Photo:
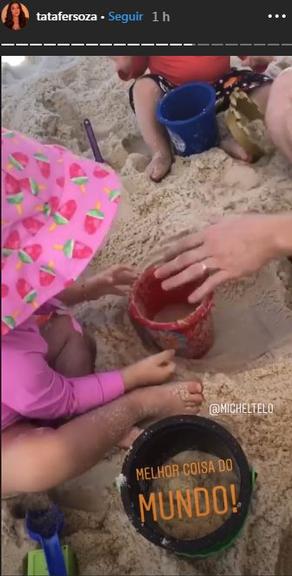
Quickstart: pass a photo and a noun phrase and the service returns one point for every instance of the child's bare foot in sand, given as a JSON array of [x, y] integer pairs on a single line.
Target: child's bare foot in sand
[[159, 166], [159, 402], [152, 370], [231, 147], [146, 94]]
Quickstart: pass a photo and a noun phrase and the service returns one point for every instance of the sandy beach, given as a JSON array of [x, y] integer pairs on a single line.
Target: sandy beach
[[48, 98]]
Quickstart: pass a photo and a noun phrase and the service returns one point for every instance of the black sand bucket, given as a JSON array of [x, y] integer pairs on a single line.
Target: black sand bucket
[[224, 504]]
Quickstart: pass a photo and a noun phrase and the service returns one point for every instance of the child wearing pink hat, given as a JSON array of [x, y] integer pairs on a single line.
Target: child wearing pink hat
[[59, 417]]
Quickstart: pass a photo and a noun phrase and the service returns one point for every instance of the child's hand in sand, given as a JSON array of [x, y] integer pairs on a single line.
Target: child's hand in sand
[[114, 280], [155, 369], [227, 250]]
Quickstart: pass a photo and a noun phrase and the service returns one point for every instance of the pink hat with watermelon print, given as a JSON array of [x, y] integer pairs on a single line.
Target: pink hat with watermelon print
[[56, 211]]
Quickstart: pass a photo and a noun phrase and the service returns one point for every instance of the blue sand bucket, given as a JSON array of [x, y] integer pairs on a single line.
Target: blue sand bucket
[[189, 115]]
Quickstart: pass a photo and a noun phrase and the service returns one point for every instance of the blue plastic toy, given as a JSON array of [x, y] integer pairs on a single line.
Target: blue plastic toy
[[44, 526], [189, 115]]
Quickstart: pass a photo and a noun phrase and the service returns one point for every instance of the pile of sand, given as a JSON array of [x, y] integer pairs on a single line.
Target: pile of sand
[[251, 360]]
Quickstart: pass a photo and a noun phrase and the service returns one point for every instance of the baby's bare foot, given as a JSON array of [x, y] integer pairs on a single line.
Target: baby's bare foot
[[159, 402], [234, 149], [155, 369], [159, 166]]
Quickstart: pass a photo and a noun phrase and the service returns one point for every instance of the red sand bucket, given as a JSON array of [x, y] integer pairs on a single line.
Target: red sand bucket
[[190, 337]]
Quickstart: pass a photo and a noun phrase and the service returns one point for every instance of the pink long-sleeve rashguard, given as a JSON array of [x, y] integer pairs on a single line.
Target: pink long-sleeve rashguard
[[57, 209], [33, 390]]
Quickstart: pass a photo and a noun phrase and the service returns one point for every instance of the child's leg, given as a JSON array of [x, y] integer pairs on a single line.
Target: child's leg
[[69, 352], [37, 459], [77, 358], [146, 94]]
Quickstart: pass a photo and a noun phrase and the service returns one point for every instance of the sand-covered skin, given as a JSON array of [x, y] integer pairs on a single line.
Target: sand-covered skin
[[253, 319]]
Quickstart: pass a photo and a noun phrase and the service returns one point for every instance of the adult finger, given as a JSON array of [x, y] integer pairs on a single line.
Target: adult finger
[[187, 243], [208, 286], [190, 274], [157, 255], [180, 262]]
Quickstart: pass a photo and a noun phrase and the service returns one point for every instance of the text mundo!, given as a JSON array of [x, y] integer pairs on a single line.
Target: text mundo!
[[186, 503], [123, 18], [197, 502]]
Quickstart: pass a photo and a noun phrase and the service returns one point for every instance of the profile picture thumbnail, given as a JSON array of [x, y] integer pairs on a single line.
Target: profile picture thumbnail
[[15, 16]]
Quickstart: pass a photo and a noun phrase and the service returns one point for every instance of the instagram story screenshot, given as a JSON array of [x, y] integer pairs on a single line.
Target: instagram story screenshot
[[146, 289]]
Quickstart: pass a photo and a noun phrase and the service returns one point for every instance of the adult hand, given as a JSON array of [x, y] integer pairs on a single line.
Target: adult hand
[[229, 249]]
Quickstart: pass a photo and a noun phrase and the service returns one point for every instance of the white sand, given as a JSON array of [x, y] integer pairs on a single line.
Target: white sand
[[252, 357]]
